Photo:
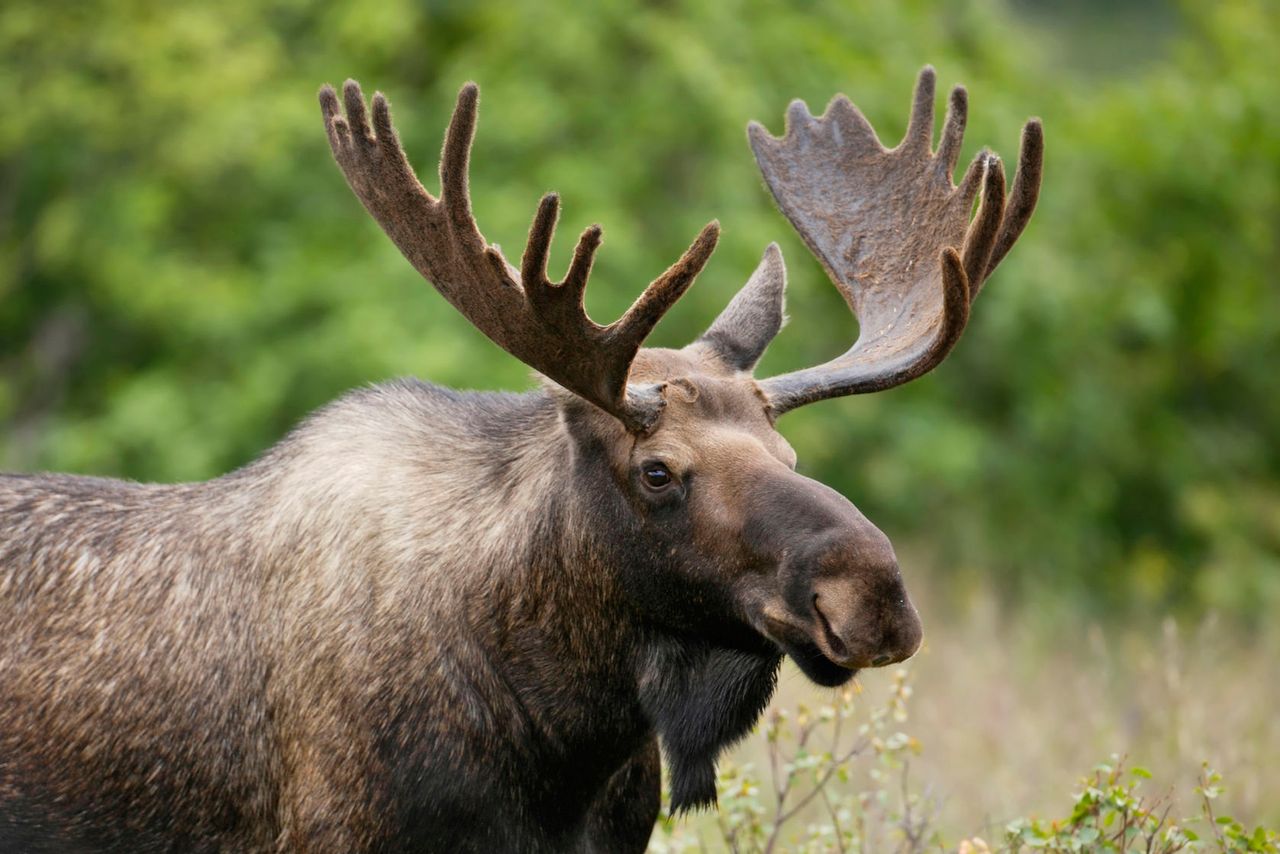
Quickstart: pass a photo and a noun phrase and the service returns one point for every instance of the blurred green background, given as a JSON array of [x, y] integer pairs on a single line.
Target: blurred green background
[[184, 273]]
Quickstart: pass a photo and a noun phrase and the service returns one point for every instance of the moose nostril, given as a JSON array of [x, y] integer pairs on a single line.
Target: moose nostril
[[881, 660], [834, 640]]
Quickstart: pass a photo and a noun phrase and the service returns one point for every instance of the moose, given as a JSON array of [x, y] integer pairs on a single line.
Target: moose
[[448, 621]]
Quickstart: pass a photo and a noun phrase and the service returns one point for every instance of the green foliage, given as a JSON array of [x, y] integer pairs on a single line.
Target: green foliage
[[183, 274], [1111, 815]]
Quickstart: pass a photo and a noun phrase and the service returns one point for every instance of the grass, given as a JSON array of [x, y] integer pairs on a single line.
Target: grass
[[1007, 720]]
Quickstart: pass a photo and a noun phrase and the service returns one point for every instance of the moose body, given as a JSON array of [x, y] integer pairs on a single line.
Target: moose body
[[304, 643], [434, 620]]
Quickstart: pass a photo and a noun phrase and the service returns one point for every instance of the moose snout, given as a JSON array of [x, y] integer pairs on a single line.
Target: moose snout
[[843, 604], [864, 617]]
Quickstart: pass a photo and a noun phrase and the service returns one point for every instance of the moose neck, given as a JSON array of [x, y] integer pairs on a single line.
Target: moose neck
[[701, 683], [590, 630], [556, 623]]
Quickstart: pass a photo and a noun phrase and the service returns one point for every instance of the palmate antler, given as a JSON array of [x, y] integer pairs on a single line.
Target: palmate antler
[[890, 227], [540, 322], [893, 233]]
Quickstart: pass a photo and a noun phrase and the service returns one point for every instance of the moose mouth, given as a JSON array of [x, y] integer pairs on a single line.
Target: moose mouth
[[814, 664], [807, 654]]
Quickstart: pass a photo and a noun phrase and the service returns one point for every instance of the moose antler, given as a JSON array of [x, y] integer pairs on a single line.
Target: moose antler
[[540, 322], [885, 224]]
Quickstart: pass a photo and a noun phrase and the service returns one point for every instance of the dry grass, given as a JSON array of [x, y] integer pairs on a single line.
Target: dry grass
[[1011, 713], [1011, 716]]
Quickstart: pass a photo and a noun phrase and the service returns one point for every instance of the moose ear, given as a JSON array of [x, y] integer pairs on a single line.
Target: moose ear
[[747, 325]]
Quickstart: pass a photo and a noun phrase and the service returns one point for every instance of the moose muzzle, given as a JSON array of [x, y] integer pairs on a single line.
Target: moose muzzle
[[857, 605], [843, 602]]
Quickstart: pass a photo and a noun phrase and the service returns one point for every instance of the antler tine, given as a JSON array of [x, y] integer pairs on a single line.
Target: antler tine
[[957, 298], [919, 135], [663, 292], [542, 323], [584, 255], [455, 164], [533, 263], [886, 226], [953, 131], [981, 237], [556, 303], [357, 118], [382, 129], [1025, 194], [624, 336]]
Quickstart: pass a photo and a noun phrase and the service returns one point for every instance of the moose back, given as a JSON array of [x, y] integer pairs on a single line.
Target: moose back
[[447, 621]]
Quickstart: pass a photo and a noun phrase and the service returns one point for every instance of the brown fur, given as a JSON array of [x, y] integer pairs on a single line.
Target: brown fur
[[408, 582], [229, 646]]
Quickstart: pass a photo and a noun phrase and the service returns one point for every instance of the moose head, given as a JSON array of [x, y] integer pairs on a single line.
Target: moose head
[[736, 544]]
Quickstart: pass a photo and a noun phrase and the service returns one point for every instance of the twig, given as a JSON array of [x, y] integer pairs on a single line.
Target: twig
[[802, 739], [857, 748], [835, 822], [1208, 811]]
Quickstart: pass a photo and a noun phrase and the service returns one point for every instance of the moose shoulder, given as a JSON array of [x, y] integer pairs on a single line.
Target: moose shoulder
[[434, 620]]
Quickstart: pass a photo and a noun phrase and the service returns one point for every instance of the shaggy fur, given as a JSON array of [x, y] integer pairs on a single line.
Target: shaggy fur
[[299, 655], [425, 620]]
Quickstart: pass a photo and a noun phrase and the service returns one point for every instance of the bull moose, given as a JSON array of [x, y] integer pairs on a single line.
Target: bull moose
[[448, 621]]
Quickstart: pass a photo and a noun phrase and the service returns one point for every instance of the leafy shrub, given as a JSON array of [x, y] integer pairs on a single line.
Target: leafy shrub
[[1111, 815]]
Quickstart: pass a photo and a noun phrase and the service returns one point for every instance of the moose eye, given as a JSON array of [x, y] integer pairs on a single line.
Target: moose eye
[[656, 476]]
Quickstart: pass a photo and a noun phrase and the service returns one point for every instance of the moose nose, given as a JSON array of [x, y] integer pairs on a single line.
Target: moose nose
[[865, 621]]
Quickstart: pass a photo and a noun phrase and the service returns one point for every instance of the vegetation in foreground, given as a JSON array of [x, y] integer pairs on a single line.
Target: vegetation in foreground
[[838, 778], [1006, 712]]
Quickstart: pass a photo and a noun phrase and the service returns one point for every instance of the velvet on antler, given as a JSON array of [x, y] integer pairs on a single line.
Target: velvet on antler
[[540, 322], [893, 232]]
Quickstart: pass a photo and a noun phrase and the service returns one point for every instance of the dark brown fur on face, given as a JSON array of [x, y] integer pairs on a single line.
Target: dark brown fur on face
[[432, 620]]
